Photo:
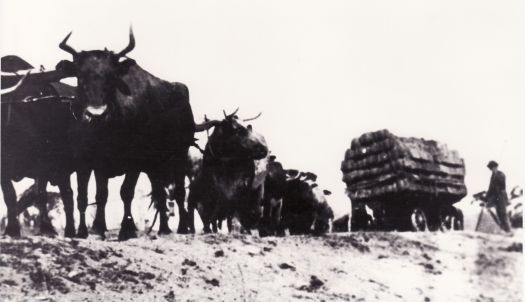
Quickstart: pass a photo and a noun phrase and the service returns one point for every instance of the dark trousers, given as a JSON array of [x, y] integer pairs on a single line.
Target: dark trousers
[[501, 210]]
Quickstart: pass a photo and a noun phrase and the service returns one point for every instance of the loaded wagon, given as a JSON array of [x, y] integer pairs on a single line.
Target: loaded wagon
[[399, 183]]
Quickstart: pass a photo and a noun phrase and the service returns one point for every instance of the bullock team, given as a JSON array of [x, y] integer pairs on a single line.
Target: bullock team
[[122, 120]]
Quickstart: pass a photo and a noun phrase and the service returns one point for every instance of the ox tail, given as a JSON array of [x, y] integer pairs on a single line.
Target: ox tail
[[153, 223], [154, 217]]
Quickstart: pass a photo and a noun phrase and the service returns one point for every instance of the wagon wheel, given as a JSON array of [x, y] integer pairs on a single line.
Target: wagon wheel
[[446, 219], [451, 220], [457, 222], [447, 222], [418, 220]]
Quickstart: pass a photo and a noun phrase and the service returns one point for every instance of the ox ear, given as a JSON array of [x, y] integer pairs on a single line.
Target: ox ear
[[249, 127], [292, 172], [125, 65], [68, 68]]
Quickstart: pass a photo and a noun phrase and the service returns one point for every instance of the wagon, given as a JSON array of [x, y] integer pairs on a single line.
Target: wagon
[[399, 183]]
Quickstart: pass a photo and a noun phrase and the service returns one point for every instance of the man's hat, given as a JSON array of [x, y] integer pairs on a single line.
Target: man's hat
[[492, 164]]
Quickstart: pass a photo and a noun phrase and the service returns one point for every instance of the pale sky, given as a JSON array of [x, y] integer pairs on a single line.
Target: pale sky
[[322, 72]]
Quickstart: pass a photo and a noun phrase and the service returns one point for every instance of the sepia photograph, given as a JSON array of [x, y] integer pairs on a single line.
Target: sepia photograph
[[262, 150]]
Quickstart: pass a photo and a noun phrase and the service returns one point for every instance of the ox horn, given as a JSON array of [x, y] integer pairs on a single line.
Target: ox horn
[[16, 86], [253, 118], [206, 125], [231, 114], [131, 44], [63, 45]]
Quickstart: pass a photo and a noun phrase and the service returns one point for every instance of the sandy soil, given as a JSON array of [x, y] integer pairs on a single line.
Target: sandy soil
[[347, 267]]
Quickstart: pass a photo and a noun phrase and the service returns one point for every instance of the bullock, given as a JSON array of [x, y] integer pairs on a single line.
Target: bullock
[[226, 185], [274, 187], [35, 144], [129, 122], [303, 208]]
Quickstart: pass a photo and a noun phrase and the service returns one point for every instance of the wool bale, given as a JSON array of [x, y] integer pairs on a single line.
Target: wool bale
[[380, 163]]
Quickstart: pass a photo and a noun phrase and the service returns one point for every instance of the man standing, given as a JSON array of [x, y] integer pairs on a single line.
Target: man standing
[[497, 195]]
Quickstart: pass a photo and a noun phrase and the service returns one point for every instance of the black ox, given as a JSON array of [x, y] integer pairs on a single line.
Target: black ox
[[35, 143], [129, 122], [226, 185], [294, 202]]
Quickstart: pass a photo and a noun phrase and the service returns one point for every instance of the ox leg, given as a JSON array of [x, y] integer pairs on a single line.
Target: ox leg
[[13, 226], [214, 225], [191, 219], [193, 205], [276, 216], [180, 197], [159, 195], [265, 226], [229, 223], [128, 229], [46, 228], [206, 219], [216, 218], [245, 224], [99, 223], [281, 227], [82, 200], [206, 223], [67, 198]]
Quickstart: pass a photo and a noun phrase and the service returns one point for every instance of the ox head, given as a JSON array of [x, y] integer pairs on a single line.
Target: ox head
[[231, 140], [99, 74]]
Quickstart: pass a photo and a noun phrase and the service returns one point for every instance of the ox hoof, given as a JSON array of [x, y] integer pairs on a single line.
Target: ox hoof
[[69, 232], [98, 232], [47, 229], [124, 235], [128, 230], [182, 231], [99, 226], [164, 229], [82, 232], [13, 230], [264, 232]]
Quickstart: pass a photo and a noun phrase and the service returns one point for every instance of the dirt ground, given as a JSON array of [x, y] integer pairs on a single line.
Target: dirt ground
[[460, 266]]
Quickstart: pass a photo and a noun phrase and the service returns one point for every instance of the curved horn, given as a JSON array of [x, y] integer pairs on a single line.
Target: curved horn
[[131, 44], [235, 112], [12, 89], [63, 45], [253, 118], [206, 125]]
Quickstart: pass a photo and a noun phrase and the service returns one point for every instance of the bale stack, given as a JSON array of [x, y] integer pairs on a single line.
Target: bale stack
[[379, 164]]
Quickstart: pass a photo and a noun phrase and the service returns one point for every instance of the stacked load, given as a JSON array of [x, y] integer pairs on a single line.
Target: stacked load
[[380, 164]]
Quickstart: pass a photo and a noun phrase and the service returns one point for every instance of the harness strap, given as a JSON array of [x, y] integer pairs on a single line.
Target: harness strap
[[30, 99]]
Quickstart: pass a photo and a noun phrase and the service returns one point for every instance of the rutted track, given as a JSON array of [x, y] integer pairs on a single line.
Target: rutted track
[[349, 267]]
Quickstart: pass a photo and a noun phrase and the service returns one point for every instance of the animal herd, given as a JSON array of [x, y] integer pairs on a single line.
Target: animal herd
[[122, 120]]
